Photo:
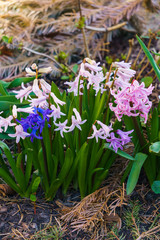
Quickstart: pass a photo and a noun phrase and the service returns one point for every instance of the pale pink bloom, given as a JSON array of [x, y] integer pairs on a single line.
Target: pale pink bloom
[[97, 81], [97, 133], [19, 133], [46, 87], [39, 102], [132, 101], [62, 127], [26, 110], [76, 121], [56, 100], [75, 85], [35, 87], [56, 112], [106, 129], [92, 65], [23, 93], [123, 75], [30, 72], [45, 70], [34, 66], [5, 122], [121, 64]]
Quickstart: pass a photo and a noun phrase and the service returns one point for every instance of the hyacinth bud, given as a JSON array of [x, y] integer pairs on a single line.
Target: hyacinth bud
[[34, 66]]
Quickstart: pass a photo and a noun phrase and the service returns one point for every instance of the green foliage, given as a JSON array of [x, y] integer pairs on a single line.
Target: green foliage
[[147, 81], [135, 171], [150, 58]]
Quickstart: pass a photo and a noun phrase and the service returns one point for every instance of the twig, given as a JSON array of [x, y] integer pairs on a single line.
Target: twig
[[83, 31], [49, 57]]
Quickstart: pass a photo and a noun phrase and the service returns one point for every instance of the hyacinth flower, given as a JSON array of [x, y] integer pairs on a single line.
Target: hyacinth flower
[[35, 122], [20, 133], [132, 101], [117, 143]]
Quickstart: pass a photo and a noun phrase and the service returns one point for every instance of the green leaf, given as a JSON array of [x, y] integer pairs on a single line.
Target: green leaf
[[64, 77], [35, 184], [33, 197], [155, 147], [9, 180], [120, 152], [150, 58], [18, 81], [75, 68], [3, 90], [156, 187], [82, 168], [147, 81], [135, 171], [154, 126]]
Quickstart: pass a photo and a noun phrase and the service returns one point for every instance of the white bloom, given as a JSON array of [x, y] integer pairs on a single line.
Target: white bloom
[[26, 110], [45, 70], [5, 122], [19, 133], [76, 122], [97, 133], [56, 100], [62, 127], [56, 112], [106, 129], [35, 87], [39, 102], [30, 72], [23, 93], [45, 86]]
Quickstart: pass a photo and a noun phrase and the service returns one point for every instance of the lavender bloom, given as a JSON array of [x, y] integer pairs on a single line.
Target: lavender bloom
[[124, 136], [119, 142], [35, 122], [114, 142]]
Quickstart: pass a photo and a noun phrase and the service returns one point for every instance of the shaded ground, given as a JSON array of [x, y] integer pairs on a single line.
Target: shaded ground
[[21, 219]]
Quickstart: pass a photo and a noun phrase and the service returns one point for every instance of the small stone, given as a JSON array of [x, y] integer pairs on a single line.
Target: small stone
[[3, 209]]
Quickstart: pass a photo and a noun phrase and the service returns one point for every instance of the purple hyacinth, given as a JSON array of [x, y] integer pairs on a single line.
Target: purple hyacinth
[[117, 143], [35, 122]]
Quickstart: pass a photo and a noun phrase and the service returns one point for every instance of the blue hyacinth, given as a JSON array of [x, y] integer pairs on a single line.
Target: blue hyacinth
[[35, 122]]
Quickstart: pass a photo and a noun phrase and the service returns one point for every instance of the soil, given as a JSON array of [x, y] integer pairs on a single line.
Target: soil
[[21, 219]]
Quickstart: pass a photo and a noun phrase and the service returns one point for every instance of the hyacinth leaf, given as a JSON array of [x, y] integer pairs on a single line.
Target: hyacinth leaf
[[82, 167], [155, 147], [99, 180], [3, 90], [156, 187], [150, 58], [135, 171], [62, 175], [18, 81], [9, 180], [154, 126], [29, 164], [5, 84], [20, 176], [10, 159], [55, 90], [147, 81], [42, 170], [120, 152], [35, 184]]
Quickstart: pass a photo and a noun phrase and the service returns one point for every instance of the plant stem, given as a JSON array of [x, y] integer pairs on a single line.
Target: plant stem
[[45, 159], [83, 31], [140, 135], [109, 95]]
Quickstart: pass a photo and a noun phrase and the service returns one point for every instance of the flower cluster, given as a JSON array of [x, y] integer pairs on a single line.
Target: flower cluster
[[92, 73], [104, 132], [132, 101], [35, 122]]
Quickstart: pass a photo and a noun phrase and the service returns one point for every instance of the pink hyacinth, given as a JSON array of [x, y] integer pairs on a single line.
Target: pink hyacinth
[[132, 101]]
